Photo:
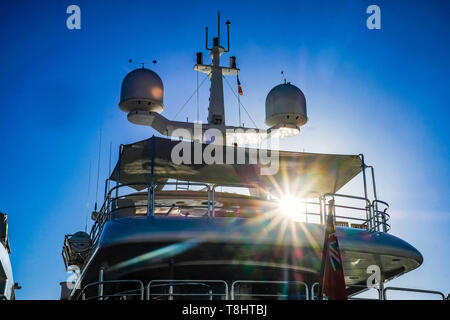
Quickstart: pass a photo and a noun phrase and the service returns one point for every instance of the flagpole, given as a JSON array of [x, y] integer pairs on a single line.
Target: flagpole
[[239, 98], [325, 248]]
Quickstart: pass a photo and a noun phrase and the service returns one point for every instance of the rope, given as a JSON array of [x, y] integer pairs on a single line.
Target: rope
[[98, 167], [198, 111], [195, 91], [229, 85], [239, 109], [87, 198]]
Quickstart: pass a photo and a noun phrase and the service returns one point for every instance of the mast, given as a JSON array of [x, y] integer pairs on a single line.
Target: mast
[[286, 111], [216, 109]]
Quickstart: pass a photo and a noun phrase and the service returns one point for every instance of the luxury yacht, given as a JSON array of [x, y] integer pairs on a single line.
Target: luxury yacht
[[197, 213], [6, 276]]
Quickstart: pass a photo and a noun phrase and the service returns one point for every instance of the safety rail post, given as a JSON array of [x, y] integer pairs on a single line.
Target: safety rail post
[[315, 284], [150, 201], [106, 188], [374, 187], [381, 287], [118, 173], [209, 201], [171, 292], [151, 186], [100, 286], [368, 210], [321, 210], [213, 212]]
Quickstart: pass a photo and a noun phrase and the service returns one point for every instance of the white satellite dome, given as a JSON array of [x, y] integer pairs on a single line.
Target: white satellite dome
[[142, 89], [285, 106]]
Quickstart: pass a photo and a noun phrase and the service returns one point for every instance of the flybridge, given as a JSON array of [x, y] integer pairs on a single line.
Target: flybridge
[[320, 173]]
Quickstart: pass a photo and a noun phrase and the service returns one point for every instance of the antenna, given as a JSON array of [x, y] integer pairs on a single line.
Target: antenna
[[88, 194], [216, 41], [110, 153], [206, 46], [218, 28], [107, 182], [284, 78], [98, 168], [198, 101], [228, 35], [141, 63]]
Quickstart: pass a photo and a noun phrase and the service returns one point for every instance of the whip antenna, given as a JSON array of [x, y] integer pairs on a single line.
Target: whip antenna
[[87, 198], [98, 168]]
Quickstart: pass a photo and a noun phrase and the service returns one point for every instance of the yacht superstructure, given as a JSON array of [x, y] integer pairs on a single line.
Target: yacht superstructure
[[6, 275], [198, 214]]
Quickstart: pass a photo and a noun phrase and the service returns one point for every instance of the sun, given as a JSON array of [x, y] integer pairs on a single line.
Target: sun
[[292, 207]]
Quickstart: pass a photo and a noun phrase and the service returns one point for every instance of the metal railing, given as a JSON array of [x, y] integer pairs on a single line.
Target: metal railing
[[315, 291], [371, 216], [196, 289], [374, 220], [284, 284], [173, 285], [219, 289], [381, 216], [432, 292], [380, 293], [139, 292], [365, 290]]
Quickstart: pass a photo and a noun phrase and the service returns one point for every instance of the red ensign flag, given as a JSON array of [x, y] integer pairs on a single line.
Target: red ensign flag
[[239, 86], [332, 282]]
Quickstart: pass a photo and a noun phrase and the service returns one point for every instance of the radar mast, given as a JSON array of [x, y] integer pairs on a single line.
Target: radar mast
[[215, 72]]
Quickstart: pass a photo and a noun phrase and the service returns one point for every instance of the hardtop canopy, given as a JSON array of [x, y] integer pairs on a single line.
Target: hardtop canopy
[[313, 174]]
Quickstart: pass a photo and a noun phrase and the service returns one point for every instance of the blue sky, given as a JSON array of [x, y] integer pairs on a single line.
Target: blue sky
[[383, 93]]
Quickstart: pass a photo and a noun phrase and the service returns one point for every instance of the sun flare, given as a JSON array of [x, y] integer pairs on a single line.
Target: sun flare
[[292, 207]]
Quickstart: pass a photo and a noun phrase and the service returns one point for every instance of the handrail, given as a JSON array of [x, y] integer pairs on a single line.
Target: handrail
[[175, 282], [106, 209], [346, 196], [144, 292], [141, 285], [375, 220], [413, 290], [384, 215], [364, 288], [315, 284], [213, 189], [233, 294], [373, 215], [188, 183]]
